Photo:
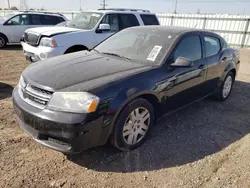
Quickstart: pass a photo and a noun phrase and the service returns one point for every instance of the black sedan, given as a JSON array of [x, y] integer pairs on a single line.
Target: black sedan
[[116, 91]]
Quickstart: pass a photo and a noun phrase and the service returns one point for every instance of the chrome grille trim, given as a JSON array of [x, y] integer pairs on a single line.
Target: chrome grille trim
[[32, 38], [35, 93], [34, 96]]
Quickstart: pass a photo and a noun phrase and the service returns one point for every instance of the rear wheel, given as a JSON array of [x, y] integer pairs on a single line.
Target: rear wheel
[[226, 87], [133, 125], [3, 41]]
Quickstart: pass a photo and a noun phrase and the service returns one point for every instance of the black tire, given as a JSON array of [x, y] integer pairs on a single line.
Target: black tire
[[219, 94], [3, 41], [117, 138]]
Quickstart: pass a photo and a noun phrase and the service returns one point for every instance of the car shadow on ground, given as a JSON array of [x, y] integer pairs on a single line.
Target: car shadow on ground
[[184, 137], [5, 90], [12, 47]]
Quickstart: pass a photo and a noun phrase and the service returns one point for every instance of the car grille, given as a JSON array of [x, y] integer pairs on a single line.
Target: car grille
[[35, 96], [31, 38]]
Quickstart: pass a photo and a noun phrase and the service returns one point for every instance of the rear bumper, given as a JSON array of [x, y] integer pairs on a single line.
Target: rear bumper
[[64, 132], [37, 53]]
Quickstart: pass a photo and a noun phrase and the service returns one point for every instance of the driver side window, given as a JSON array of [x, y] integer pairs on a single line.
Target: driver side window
[[19, 20], [113, 21], [189, 47]]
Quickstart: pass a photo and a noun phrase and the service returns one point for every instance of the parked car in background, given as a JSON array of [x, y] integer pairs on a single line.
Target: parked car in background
[[115, 92], [83, 32], [12, 26]]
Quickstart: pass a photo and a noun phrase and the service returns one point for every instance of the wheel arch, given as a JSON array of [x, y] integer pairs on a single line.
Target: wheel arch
[[4, 36], [77, 47], [148, 95], [231, 67]]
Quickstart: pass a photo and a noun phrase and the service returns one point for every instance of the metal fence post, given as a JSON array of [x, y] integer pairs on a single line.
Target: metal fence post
[[204, 23], [245, 34], [172, 21]]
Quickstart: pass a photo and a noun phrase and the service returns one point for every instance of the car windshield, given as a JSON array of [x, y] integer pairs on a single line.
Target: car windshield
[[4, 18], [146, 46], [85, 20]]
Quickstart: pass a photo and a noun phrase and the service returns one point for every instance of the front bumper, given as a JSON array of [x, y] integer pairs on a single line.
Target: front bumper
[[64, 132], [37, 53]]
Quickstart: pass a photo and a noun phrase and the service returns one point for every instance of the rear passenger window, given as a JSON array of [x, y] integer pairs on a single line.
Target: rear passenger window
[[212, 45], [149, 19], [128, 20], [190, 48], [36, 19], [52, 20]]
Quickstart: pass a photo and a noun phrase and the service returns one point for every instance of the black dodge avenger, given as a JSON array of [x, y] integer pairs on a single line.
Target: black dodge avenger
[[116, 91]]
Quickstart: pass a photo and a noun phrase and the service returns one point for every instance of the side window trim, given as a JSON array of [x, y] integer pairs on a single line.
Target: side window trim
[[211, 36]]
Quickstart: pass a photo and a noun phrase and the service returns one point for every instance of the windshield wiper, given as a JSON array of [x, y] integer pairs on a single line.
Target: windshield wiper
[[95, 50], [116, 55]]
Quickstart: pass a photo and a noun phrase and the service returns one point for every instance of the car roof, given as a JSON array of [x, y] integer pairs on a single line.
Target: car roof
[[121, 10], [42, 13], [168, 29]]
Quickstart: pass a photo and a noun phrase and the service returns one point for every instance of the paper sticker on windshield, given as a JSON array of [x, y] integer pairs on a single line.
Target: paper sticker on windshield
[[154, 53]]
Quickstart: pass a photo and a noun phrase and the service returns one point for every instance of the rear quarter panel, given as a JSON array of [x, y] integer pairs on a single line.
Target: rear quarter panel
[[232, 62]]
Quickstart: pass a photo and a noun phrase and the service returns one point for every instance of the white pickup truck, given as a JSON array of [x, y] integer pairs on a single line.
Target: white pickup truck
[[83, 32]]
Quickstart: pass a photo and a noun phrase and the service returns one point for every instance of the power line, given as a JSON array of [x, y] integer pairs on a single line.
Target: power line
[[103, 4], [23, 5], [8, 3]]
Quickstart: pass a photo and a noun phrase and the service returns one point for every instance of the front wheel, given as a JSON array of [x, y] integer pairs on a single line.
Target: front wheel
[[133, 124], [226, 87], [3, 41]]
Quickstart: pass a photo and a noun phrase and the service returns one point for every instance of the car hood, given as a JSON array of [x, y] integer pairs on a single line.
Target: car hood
[[80, 71], [49, 31]]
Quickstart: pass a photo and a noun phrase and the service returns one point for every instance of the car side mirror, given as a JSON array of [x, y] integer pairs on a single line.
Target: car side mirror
[[10, 23], [104, 27], [181, 62]]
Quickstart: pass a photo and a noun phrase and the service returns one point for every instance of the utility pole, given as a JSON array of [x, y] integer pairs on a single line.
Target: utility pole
[[80, 5], [175, 9], [8, 4], [103, 4]]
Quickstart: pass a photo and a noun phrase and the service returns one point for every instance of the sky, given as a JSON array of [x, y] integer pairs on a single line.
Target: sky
[[183, 6]]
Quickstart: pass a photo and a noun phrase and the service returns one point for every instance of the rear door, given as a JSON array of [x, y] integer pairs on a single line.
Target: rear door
[[215, 59], [186, 84]]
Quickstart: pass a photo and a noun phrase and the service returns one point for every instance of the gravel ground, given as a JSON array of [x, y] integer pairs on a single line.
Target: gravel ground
[[203, 145]]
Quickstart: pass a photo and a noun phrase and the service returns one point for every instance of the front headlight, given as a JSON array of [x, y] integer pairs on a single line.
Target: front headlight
[[76, 102], [48, 42], [22, 83]]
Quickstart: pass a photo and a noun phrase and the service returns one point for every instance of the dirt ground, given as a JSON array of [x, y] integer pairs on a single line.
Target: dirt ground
[[204, 145]]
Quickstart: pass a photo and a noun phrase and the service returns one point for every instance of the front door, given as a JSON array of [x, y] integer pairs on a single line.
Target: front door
[[16, 26], [113, 21], [185, 85]]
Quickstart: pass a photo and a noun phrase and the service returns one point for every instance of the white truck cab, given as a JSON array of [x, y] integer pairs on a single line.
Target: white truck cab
[[83, 32]]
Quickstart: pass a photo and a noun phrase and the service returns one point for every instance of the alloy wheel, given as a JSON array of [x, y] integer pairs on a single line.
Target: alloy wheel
[[227, 86], [136, 126]]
